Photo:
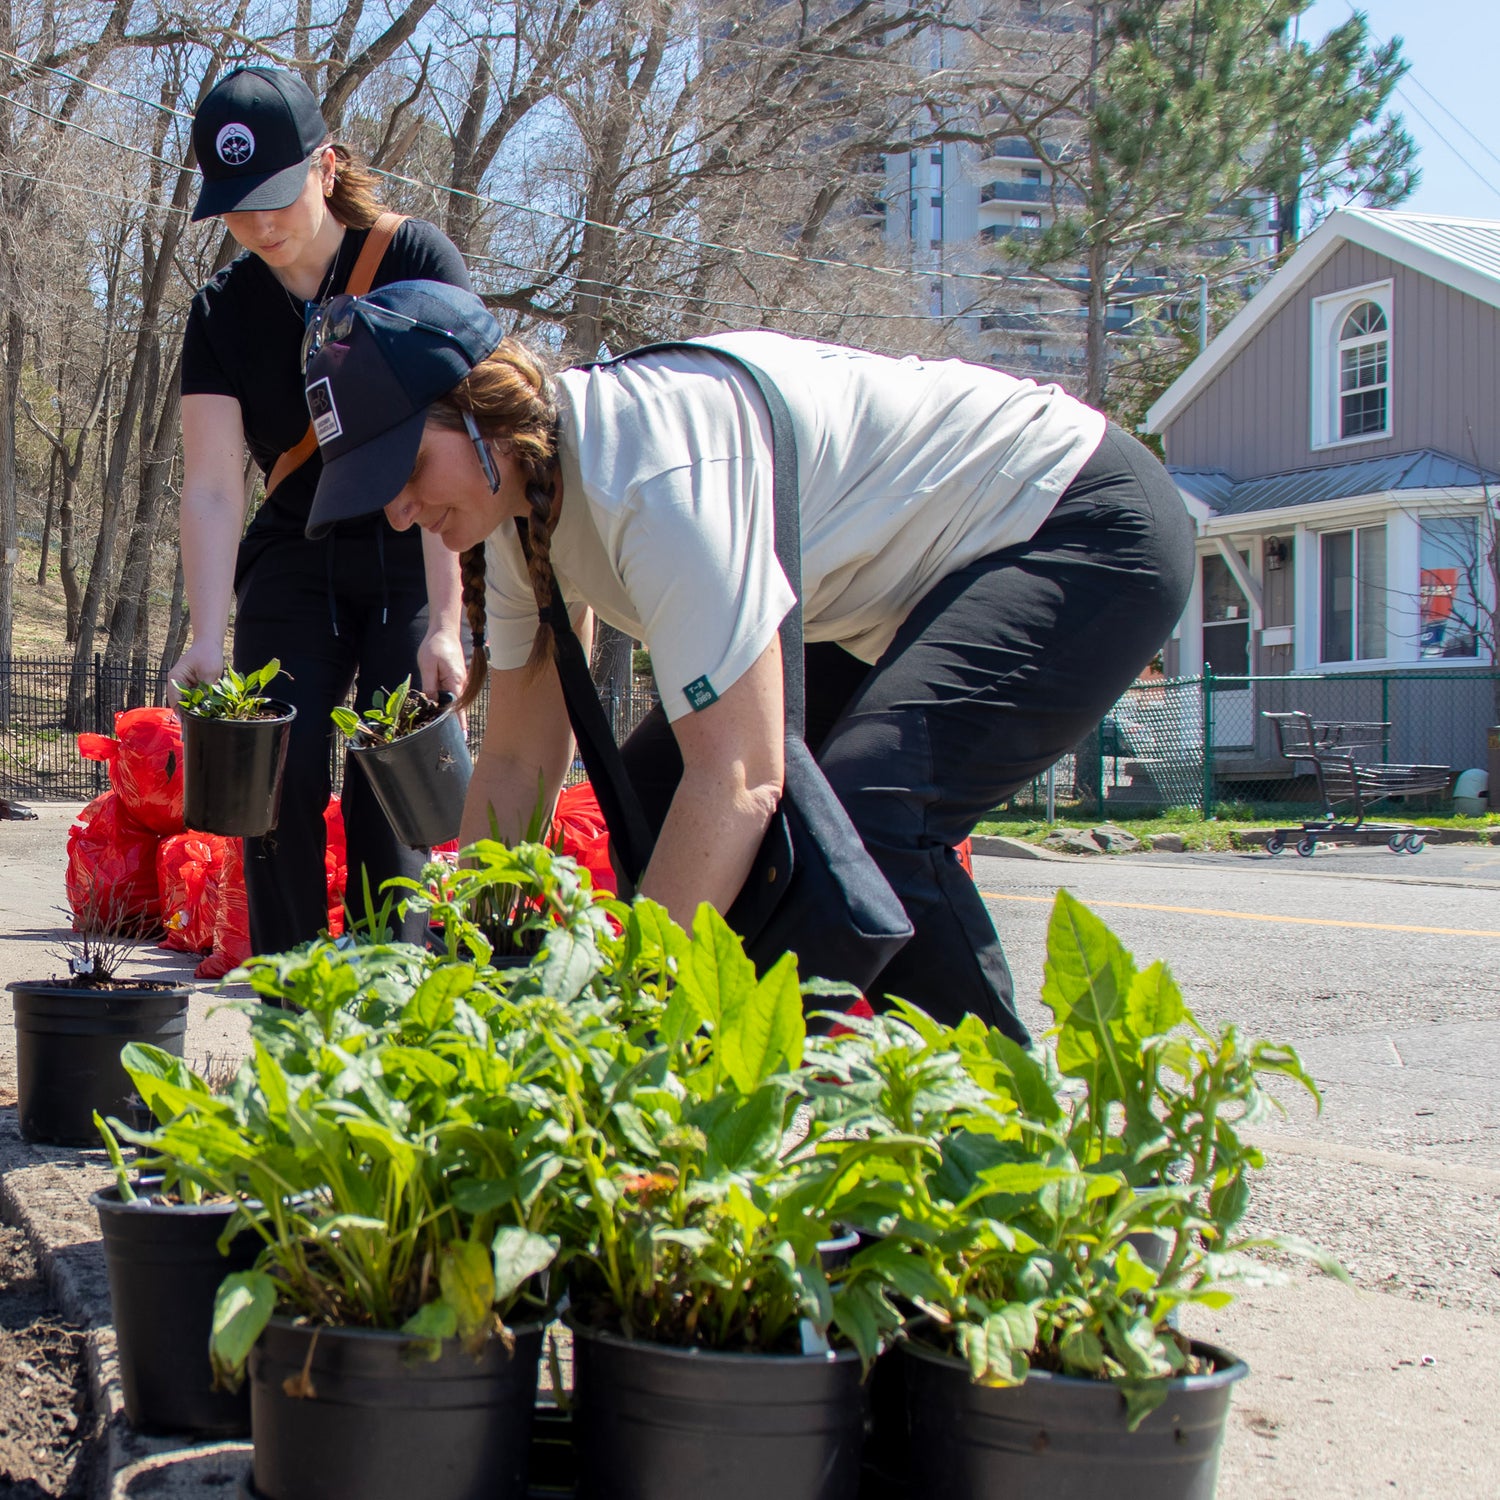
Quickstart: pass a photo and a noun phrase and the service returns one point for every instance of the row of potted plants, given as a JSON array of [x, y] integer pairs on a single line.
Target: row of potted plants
[[429, 1155]]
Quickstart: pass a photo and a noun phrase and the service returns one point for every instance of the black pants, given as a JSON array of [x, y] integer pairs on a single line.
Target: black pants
[[353, 603], [996, 673]]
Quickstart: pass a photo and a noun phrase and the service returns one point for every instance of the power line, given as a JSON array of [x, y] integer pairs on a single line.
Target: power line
[[1411, 105], [582, 221]]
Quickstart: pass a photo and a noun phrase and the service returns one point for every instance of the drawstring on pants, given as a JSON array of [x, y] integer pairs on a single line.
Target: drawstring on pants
[[385, 582], [333, 605], [385, 586]]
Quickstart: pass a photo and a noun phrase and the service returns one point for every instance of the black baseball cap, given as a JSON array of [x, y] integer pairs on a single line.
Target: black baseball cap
[[253, 135], [383, 359]]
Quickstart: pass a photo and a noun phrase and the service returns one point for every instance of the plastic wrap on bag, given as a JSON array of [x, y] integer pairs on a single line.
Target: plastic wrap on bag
[[335, 866], [145, 765], [189, 867], [111, 874], [579, 825], [232, 919]]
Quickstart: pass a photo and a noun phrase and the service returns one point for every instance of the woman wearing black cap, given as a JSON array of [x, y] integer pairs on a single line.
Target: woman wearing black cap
[[365, 602], [986, 564]]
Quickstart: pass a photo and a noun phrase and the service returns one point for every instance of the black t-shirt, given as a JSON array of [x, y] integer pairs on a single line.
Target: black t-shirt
[[244, 339]]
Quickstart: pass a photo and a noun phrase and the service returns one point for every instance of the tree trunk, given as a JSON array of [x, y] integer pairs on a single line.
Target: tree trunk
[[10, 541], [67, 563], [176, 637], [41, 567], [157, 448]]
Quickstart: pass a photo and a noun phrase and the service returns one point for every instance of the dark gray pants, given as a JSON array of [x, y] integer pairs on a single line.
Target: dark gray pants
[[997, 672]]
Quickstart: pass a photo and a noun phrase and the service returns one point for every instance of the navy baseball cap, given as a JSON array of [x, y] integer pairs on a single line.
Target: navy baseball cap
[[254, 135], [378, 362]]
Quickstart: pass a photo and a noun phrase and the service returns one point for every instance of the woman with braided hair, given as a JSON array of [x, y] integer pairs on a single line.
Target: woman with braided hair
[[986, 563]]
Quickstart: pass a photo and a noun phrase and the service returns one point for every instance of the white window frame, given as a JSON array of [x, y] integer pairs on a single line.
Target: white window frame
[[1355, 662], [1328, 314]]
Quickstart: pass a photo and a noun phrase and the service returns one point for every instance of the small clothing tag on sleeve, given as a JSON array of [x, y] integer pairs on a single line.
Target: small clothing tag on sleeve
[[700, 693]]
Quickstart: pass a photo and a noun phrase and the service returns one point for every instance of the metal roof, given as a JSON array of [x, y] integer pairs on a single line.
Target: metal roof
[[1467, 242], [1424, 469]]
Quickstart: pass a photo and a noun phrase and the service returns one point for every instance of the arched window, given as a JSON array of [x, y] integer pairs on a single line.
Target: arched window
[[1364, 372]]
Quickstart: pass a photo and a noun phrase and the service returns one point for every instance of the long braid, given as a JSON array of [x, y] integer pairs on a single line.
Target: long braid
[[471, 574], [511, 398], [541, 495]]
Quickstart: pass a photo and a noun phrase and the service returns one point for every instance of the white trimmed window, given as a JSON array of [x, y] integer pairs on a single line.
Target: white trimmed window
[[1351, 381], [1352, 594]]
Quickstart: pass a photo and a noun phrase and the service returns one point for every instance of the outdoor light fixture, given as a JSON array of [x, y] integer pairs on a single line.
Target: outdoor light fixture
[[1275, 553]]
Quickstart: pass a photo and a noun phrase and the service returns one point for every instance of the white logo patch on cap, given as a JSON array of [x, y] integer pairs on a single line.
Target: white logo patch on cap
[[325, 415], [235, 144]]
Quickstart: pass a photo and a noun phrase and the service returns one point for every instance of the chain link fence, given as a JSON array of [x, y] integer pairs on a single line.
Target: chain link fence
[[1204, 743], [39, 757]]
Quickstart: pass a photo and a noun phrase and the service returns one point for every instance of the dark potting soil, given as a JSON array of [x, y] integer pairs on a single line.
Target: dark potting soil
[[104, 986], [46, 1435]]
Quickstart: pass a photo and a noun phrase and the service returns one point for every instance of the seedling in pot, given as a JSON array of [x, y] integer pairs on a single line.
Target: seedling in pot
[[391, 716], [233, 696]]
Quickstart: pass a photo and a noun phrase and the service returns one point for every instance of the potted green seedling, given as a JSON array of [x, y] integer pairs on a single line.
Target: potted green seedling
[[414, 752], [234, 748], [715, 1352], [387, 1143], [70, 1028], [168, 1243], [1050, 1362]]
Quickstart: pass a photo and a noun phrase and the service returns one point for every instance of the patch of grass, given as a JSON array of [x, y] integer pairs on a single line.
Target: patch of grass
[[1217, 834]]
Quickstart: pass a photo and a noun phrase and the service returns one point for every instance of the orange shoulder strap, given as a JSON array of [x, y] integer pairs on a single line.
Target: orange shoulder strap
[[382, 232]]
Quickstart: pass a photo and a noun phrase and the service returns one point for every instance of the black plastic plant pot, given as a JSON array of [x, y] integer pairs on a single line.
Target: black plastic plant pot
[[1063, 1437], [421, 780], [164, 1270], [68, 1041], [656, 1422], [232, 770], [554, 1460], [377, 1420]]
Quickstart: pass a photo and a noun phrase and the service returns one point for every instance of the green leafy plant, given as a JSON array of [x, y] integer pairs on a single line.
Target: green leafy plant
[[700, 1202], [390, 716], [387, 1163], [233, 696], [1110, 1194]]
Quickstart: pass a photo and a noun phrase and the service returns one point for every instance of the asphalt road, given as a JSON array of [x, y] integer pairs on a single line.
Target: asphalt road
[[1384, 972]]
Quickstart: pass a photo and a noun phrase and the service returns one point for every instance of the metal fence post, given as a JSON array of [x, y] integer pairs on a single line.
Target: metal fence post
[[1208, 742], [1385, 714]]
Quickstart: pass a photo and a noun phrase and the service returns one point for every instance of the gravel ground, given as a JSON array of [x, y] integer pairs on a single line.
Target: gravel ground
[[45, 1433], [1420, 1237]]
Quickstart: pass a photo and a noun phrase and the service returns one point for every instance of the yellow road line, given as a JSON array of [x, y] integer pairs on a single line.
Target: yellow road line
[[1256, 916]]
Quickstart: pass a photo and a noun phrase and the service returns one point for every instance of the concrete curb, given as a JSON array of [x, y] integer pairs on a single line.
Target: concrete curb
[[998, 846]]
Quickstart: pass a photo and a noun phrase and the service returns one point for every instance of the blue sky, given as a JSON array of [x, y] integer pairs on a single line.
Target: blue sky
[[1453, 47]]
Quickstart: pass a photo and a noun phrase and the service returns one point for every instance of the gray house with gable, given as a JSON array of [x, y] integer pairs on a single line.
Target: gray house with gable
[[1338, 446]]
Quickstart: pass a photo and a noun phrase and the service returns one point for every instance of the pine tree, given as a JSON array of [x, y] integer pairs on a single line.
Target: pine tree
[[1173, 127]]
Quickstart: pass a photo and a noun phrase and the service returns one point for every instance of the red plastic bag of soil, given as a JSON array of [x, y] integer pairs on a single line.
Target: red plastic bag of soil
[[145, 765], [232, 919], [335, 866], [580, 825], [111, 876], [189, 868]]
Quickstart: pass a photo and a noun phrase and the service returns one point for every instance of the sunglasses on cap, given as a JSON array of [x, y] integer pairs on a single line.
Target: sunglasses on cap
[[333, 322]]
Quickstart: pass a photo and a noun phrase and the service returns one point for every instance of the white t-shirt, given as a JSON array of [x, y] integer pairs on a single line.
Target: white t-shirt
[[909, 470]]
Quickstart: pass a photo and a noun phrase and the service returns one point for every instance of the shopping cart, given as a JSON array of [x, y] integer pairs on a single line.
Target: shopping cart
[[1350, 779]]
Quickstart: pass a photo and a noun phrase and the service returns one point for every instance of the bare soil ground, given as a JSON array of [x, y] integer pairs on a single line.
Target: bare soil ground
[[45, 1427]]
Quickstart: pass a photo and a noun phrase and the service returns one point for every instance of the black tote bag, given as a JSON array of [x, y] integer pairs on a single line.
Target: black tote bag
[[813, 889]]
